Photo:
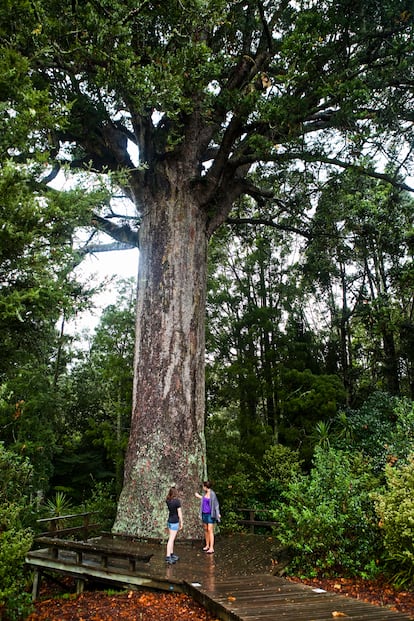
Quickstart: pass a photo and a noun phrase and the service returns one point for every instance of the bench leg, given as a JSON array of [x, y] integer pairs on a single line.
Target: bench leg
[[37, 578], [80, 585]]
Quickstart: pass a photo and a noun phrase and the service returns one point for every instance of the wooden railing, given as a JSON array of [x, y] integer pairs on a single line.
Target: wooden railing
[[56, 526], [252, 521]]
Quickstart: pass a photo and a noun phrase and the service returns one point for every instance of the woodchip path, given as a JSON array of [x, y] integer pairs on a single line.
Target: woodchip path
[[236, 583]]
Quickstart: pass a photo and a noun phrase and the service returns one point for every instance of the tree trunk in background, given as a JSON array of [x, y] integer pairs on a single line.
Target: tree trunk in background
[[167, 430]]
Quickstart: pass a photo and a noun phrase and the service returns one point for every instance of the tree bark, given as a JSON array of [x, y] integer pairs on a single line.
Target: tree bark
[[167, 443]]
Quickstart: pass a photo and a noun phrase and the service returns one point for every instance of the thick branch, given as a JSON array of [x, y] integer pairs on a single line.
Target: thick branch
[[123, 234], [323, 159], [95, 248]]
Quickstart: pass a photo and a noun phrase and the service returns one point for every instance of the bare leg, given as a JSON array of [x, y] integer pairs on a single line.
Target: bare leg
[[210, 537], [206, 536], [170, 542]]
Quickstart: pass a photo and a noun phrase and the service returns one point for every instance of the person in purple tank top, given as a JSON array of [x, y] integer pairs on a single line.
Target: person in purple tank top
[[210, 514]]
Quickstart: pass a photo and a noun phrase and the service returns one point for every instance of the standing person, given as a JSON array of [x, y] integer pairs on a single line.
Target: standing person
[[210, 515], [174, 523]]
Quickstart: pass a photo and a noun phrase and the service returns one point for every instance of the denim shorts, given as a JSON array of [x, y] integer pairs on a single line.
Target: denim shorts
[[173, 525], [207, 519]]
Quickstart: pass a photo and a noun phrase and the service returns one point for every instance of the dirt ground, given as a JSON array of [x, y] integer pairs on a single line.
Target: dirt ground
[[127, 605]]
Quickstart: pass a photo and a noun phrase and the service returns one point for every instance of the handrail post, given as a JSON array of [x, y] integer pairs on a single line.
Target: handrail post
[[252, 515], [86, 526]]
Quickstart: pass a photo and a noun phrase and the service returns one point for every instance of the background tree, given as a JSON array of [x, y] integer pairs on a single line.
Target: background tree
[[205, 91], [98, 396], [38, 292], [358, 258], [250, 288]]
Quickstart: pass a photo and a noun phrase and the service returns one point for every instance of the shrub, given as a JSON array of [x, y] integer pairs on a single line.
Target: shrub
[[328, 522], [15, 539], [382, 427], [280, 466], [234, 493], [395, 508], [15, 542]]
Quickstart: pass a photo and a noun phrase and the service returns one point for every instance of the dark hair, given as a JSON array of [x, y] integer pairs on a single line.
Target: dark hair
[[172, 493], [207, 484]]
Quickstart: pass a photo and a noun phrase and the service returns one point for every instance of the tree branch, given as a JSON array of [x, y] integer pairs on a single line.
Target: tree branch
[[124, 234], [94, 248], [271, 223]]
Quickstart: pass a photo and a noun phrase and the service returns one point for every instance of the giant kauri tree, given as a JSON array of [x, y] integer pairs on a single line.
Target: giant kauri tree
[[192, 104]]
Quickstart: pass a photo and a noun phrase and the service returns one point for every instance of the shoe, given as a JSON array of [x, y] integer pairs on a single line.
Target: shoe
[[205, 549], [175, 557], [209, 551], [170, 560]]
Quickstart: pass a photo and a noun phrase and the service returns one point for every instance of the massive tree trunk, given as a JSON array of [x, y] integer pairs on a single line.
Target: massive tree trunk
[[167, 430]]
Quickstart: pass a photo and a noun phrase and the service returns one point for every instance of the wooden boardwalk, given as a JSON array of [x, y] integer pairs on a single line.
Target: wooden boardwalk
[[235, 583]]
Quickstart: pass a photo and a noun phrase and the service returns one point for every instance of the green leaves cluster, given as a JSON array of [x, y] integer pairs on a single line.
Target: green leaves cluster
[[16, 537], [395, 508], [327, 519]]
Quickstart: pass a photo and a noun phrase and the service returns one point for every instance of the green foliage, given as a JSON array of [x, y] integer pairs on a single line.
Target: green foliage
[[382, 429], [59, 505], [97, 403], [279, 467], [327, 520], [29, 418], [15, 542], [37, 289], [395, 508], [401, 442], [15, 538], [15, 476], [223, 444], [307, 398], [359, 248], [103, 502]]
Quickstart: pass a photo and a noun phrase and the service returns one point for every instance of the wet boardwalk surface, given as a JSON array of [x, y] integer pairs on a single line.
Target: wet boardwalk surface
[[236, 583]]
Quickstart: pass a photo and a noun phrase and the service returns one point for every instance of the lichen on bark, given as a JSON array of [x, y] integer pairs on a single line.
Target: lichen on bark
[[167, 430]]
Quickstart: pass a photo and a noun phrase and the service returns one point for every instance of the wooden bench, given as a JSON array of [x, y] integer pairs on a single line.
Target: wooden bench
[[252, 522], [102, 551], [77, 561]]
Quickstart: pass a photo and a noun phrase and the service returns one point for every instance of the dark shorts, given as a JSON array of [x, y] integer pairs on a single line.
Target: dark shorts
[[207, 519]]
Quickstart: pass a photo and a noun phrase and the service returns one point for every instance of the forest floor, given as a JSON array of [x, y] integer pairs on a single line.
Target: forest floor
[[56, 604]]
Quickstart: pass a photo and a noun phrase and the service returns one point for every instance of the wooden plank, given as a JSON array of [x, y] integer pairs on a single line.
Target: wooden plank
[[62, 532], [257, 523], [92, 547], [59, 518], [264, 598]]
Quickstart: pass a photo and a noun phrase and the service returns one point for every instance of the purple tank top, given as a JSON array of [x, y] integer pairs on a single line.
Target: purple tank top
[[205, 505]]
